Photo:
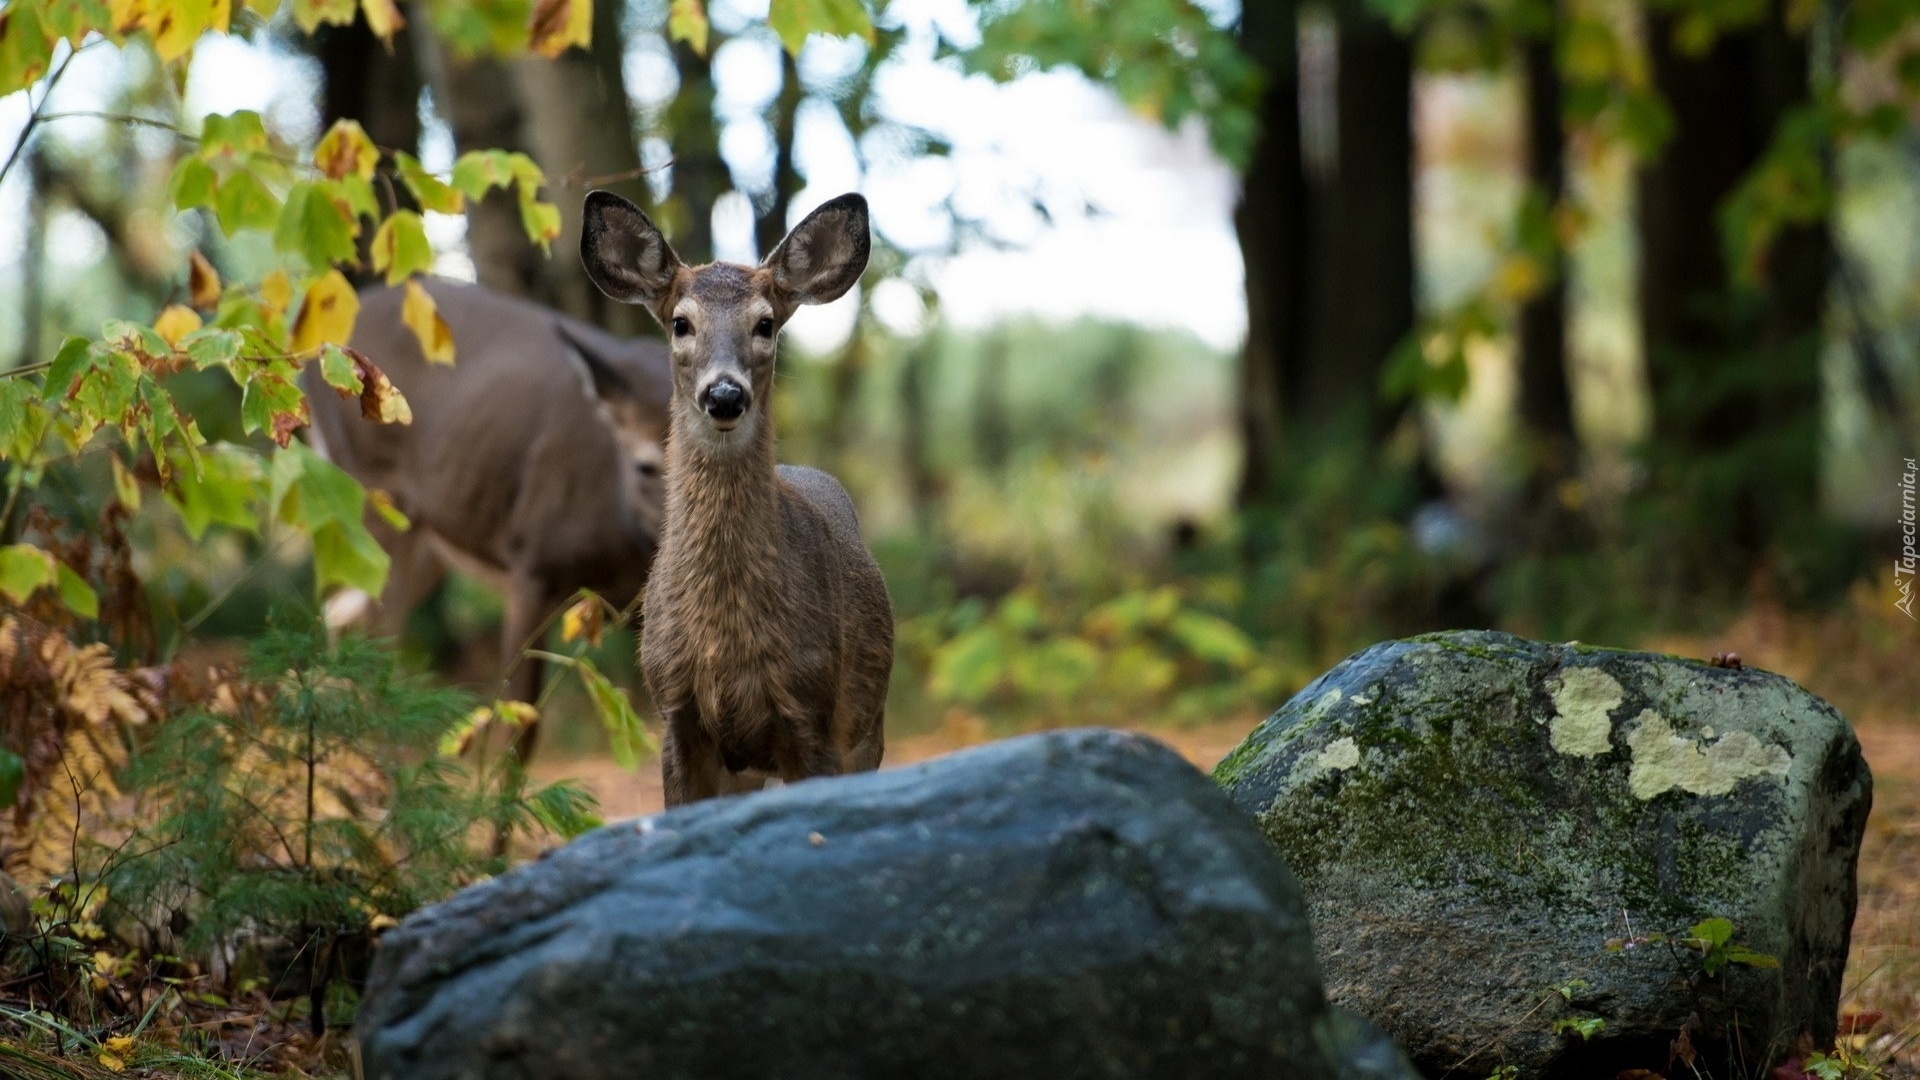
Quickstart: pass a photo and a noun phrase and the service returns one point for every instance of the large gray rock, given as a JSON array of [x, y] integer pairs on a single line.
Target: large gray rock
[[1476, 817], [1078, 904]]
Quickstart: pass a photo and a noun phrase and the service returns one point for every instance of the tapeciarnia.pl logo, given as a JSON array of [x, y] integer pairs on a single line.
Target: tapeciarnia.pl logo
[[1909, 560]]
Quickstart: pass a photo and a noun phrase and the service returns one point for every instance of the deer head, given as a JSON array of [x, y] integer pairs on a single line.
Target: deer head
[[723, 318]]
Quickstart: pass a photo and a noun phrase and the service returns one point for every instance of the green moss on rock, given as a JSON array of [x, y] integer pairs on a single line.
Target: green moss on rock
[[1505, 807]]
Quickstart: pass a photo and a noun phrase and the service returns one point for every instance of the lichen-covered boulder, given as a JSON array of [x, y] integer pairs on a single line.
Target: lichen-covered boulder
[[1077, 904], [1504, 841]]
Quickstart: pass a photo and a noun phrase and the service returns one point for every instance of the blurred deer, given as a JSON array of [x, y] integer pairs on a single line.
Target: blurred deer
[[533, 463], [767, 635]]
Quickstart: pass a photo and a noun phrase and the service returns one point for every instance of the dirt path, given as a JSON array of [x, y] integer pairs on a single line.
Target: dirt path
[[622, 794]]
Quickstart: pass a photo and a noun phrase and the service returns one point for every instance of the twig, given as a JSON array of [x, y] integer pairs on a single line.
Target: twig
[[575, 180], [34, 118]]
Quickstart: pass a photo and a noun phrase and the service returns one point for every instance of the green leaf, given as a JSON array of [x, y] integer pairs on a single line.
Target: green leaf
[[793, 20], [76, 593], [23, 419], [69, 365], [234, 133], [317, 225], [307, 491], [1213, 639], [192, 184], [1712, 932], [271, 401], [429, 190], [25, 45], [228, 484], [971, 666], [337, 368], [541, 220], [13, 773], [400, 248], [348, 555], [211, 347], [243, 202], [687, 21], [476, 171], [24, 568], [627, 736]]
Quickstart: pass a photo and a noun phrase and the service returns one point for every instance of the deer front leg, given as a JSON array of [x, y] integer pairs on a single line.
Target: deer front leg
[[528, 604], [690, 766], [809, 752]]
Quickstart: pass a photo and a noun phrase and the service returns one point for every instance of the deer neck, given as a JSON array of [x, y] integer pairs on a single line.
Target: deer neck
[[723, 525]]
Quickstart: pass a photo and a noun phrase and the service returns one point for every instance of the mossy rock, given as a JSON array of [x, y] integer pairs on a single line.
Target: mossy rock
[[1478, 820]]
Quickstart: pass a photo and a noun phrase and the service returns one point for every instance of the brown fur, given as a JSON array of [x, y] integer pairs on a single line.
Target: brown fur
[[768, 635], [533, 462]]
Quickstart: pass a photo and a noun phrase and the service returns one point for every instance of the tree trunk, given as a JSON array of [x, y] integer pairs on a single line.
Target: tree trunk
[[475, 96], [771, 227], [1546, 407], [1329, 259], [1268, 223], [1734, 374], [365, 80], [578, 125], [1550, 444], [1360, 274], [700, 176]]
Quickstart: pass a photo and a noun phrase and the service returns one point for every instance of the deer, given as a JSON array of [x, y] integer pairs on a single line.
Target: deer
[[533, 463], [766, 639]]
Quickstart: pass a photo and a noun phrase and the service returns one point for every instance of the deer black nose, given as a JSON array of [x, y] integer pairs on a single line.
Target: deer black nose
[[724, 400]]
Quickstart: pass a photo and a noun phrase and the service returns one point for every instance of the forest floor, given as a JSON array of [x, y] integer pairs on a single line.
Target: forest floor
[[1867, 666]]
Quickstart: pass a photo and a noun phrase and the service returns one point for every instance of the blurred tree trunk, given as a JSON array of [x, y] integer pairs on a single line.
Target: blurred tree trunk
[[33, 261], [1272, 239], [1329, 258], [700, 176], [475, 96], [1734, 374], [1545, 399], [578, 125], [771, 227], [376, 84], [916, 443]]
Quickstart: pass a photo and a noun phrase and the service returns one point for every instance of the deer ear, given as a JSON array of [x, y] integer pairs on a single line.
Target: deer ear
[[624, 253], [825, 254]]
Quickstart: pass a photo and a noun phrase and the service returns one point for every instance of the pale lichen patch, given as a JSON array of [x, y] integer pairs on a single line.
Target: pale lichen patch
[[1339, 754], [1664, 760], [1582, 699]]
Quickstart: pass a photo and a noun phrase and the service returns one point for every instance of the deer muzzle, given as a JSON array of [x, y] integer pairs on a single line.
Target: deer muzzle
[[725, 400]]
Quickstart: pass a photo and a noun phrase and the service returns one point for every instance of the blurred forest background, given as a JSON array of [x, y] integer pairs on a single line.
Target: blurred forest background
[[1204, 343]]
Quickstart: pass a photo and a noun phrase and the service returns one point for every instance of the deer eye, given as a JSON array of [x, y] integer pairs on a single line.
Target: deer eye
[[681, 327], [764, 327]]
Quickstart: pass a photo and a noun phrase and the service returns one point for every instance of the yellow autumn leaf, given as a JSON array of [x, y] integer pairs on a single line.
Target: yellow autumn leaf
[[559, 25], [175, 323], [327, 314], [345, 150], [276, 292], [422, 316], [383, 18], [203, 282], [126, 487], [176, 25], [126, 16], [380, 400], [584, 619]]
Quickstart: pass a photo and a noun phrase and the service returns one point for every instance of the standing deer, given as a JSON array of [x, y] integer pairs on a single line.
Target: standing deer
[[767, 635], [533, 463]]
